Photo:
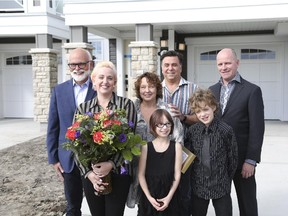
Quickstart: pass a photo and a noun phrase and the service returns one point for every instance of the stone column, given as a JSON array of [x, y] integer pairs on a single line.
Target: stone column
[[44, 66], [143, 59]]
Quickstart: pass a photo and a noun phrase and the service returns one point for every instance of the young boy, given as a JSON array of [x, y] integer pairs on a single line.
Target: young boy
[[214, 144]]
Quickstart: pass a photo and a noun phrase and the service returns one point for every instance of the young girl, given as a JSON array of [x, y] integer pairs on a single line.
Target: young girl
[[160, 169]]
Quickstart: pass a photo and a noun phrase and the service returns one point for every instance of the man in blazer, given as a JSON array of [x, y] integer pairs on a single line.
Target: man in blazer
[[242, 107], [64, 100]]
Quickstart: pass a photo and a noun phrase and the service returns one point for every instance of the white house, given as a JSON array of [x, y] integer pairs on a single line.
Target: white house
[[257, 30]]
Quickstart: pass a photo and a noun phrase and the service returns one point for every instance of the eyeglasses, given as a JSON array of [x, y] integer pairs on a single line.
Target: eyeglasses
[[81, 65], [161, 125]]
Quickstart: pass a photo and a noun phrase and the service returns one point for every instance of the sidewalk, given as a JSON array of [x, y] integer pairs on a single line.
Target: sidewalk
[[271, 173]]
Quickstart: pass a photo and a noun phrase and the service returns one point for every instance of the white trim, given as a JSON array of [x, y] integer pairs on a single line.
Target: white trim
[[157, 11]]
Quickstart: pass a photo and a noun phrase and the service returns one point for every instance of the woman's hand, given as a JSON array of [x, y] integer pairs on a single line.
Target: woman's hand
[[96, 181], [102, 169]]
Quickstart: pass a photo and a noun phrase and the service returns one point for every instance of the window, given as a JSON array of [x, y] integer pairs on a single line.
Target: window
[[59, 6], [36, 3], [257, 54], [19, 60], [209, 56], [50, 3], [98, 50]]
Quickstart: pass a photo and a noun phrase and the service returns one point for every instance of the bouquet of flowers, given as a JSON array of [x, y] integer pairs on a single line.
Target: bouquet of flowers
[[96, 137]]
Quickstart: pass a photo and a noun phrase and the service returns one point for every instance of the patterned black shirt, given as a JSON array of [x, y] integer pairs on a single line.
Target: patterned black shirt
[[223, 159]]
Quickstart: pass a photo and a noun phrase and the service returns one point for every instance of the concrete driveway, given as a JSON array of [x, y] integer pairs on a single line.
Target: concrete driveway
[[271, 173]]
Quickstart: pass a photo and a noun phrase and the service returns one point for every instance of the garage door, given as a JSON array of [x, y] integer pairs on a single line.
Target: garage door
[[260, 65], [18, 91]]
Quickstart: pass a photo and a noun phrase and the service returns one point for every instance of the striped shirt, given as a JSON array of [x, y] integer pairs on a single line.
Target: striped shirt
[[116, 102], [180, 97]]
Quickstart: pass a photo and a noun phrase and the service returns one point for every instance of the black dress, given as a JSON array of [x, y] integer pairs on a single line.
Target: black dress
[[159, 177]]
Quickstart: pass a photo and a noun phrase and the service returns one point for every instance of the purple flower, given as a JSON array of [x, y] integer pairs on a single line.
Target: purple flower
[[123, 171], [131, 124], [77, 134], [122, 137], [89, 114], [126, 161]]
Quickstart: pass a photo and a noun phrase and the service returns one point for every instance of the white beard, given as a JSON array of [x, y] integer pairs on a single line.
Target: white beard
[[78, 76]]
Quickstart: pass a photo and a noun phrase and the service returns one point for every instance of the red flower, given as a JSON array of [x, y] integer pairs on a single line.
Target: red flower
[[117, 122], [96, 116], [107, 123], [75, 125], [97, 137], [71, 133]]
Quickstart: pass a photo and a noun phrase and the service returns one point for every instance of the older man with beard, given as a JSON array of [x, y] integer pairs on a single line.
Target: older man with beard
[[65, 99]]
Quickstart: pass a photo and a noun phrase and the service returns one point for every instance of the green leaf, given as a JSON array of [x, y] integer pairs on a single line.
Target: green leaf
[[127, 155], [136, 150], [137, 138], [143, 142], [120, 145]]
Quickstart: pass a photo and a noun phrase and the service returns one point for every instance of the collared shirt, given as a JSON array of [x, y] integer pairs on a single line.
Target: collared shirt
[[143, 127], [116, 102], [180, 97], [80, 92], [229, 88]]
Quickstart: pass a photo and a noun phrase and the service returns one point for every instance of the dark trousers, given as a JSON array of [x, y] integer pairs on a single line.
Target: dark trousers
[[222, 206], [73, 192], [246, 194], [185, 193], [112, 204]]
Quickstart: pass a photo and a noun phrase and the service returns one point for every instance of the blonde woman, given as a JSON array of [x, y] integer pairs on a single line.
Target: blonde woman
[[104, 79]]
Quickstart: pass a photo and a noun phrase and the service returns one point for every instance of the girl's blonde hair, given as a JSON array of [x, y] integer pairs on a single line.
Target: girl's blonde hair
[[106, 64]]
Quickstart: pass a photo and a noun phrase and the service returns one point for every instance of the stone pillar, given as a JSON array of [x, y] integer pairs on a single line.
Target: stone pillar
[[143, 59], [70, 46], [44, 66]]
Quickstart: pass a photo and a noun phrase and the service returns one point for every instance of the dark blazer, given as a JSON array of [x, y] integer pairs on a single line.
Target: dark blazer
[[61, 114], [245, 113]]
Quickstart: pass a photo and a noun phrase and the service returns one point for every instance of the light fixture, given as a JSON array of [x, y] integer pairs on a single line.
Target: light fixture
[[164, 43], [181, 46]]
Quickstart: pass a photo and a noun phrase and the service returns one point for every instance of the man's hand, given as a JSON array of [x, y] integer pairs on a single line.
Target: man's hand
[[59, 170], [248, 170], [175, 111]]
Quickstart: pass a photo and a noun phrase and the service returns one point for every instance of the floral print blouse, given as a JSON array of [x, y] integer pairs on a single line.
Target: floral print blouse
[[143, 127]]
